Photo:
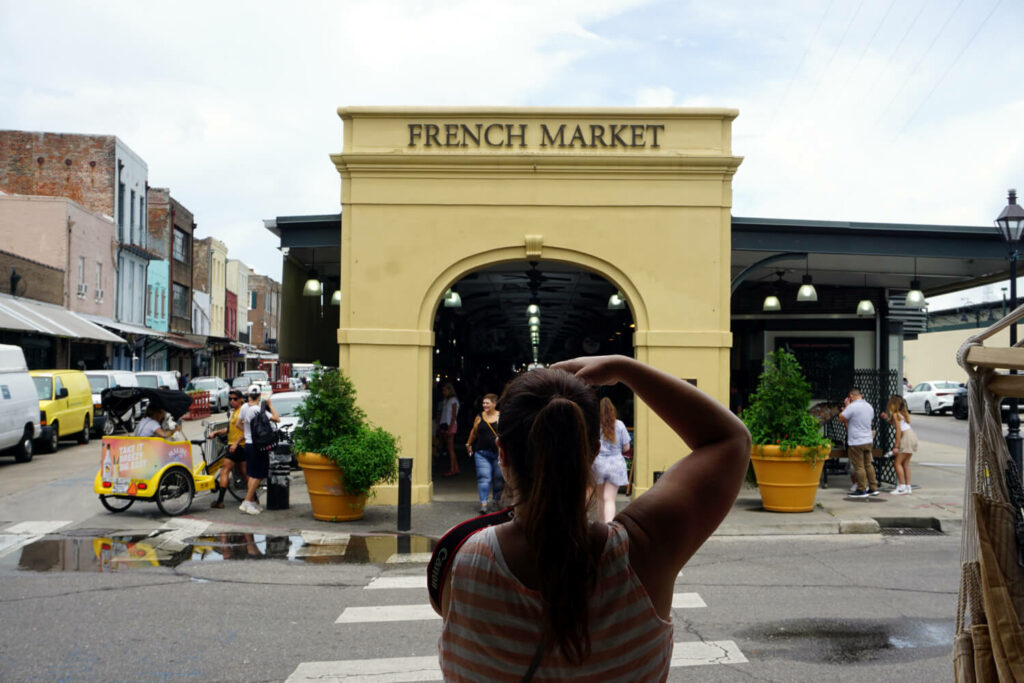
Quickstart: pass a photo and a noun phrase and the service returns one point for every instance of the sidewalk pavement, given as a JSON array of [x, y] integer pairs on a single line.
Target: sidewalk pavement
[[937, 474]]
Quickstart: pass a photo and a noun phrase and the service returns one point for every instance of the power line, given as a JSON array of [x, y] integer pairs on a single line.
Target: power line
[[952, 64], [903, 38], [835, 52], [874, 35], [924, 56], [799, 68]]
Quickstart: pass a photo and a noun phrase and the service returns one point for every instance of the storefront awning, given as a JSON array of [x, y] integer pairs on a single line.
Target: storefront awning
[[126, 328], [181, 343], [27, 315]]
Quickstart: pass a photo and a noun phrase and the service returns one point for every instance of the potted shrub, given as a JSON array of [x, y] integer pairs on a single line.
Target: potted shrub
[[788, 450], [342, 456]]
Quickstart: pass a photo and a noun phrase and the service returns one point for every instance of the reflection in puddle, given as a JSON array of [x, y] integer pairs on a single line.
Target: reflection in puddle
[[125, 551]]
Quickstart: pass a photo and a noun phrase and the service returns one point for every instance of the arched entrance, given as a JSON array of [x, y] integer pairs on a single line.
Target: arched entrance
[[639, 197], [496, 322]]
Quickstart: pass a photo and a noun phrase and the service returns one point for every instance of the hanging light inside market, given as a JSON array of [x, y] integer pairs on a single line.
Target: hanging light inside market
[[313, 286], [336, 298], [771, 303], [807, 293], [452, 299], [865, 307], [616, 302], [915, 297]]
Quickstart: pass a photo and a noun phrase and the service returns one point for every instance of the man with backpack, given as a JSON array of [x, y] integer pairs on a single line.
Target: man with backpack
[[254, 418]]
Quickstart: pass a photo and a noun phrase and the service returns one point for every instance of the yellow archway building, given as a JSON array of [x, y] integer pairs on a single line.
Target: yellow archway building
[[640, 196]]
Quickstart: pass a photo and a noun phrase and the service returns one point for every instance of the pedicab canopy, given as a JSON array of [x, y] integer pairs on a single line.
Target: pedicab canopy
[[119, 400]]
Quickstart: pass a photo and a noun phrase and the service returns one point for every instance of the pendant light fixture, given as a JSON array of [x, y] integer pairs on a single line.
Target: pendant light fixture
[[771, 302], [915, 297], [452, 299], [313, 286], [616, 302], [866, 307], [336, 298], [807, 293]]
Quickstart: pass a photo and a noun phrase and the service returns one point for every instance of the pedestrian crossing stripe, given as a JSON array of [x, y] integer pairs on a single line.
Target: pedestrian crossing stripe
[[409, 558], [399, 669], [424, 612], [25, 533], [391, 582]]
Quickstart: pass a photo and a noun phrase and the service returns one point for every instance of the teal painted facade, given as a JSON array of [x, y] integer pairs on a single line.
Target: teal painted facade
[[158, 304]]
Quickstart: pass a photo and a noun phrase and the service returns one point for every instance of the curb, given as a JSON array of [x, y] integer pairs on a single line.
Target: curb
[[865, 525]]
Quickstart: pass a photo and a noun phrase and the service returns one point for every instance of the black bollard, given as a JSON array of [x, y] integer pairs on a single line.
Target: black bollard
[[404, 494]]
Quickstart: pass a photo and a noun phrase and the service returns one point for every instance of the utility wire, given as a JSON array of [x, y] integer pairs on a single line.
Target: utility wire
[[923, 56], [835, 52], [874, 35], [799, 68], [952, 64], [892, 55]]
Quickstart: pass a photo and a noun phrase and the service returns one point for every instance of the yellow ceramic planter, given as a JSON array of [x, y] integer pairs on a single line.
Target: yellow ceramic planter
[[325, 483], [788, 483]]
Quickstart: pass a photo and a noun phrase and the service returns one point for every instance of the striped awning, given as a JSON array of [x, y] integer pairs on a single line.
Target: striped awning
[[28, 315]]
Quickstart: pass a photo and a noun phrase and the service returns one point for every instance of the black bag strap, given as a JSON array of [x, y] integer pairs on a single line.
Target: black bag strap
[[534, 663], [441, 559]]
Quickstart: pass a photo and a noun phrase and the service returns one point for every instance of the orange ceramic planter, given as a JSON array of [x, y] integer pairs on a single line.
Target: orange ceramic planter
[[788, 483], [325, 483]]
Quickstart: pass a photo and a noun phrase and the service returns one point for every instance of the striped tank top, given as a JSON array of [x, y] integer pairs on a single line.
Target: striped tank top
[[494, 621]]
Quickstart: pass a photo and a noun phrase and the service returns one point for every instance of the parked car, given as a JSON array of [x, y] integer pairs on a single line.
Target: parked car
[[217, 387], [157, 379], [242, 383], [933, 396], [106, 379], [960, 405], [19, 405], [285, 403], [65, 406]]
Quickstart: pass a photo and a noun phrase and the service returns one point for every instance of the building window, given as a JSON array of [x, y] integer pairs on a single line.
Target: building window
[[131, 221], [252, 299], [120, 212], [99, 281], [181, 248], [179, 303]]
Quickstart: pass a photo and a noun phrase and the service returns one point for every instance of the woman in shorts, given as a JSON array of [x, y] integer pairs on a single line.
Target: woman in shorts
[[906, 441], [610, 465]]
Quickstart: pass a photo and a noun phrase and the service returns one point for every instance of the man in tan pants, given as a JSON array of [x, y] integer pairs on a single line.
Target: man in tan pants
[[857, 416]]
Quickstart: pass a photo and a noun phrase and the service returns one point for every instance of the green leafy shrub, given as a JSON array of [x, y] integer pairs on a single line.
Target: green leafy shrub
[[366, 458], [328, 413], [331, 424], [778, 414]]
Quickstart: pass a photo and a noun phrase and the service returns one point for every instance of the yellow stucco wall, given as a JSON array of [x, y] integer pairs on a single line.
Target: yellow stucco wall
[[932, 356], [421, 211]]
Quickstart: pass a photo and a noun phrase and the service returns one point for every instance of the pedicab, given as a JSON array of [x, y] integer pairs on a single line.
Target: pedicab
[[152, 469]]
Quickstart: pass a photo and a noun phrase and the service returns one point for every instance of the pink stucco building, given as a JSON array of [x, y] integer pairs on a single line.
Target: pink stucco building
[[63, 252]]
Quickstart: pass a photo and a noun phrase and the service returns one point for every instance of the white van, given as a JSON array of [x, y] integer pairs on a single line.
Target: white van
[[108, 379], [19, 405], [157, 379]]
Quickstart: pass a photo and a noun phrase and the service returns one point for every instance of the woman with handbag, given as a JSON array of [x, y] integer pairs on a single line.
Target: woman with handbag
[[481, 445], [552, 594]]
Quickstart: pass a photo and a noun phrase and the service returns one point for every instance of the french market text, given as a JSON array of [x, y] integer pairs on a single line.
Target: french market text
[[521, 135]]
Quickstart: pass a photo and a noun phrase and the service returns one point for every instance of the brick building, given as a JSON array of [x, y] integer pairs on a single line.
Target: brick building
[[171, 227], [264, 311], [105, 176]]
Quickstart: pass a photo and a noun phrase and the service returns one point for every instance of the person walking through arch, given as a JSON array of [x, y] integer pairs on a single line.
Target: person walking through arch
[[610, 463], [549, 592], [447, 426], [481, 445]]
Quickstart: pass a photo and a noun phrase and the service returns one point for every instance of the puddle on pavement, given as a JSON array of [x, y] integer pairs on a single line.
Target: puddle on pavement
[[96, 552], [851, 641]]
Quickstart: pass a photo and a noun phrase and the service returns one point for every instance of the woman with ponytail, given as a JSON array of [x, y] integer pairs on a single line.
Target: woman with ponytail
[[552, 595]]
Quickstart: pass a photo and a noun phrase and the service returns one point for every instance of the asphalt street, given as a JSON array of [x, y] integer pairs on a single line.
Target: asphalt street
[[139, 596]]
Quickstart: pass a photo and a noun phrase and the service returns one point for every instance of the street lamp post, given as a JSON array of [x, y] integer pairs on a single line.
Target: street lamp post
[[1011, 224]]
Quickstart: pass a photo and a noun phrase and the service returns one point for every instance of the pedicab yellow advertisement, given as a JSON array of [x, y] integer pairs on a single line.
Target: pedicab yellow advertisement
[[128, 461]]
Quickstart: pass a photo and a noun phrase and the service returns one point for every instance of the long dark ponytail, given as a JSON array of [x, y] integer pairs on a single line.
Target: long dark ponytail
[[549, 430]]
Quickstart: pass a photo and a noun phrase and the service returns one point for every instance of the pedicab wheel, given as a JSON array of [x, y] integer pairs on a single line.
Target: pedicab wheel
[[108, 426], [116, 503], [237, 485], [174, 492]]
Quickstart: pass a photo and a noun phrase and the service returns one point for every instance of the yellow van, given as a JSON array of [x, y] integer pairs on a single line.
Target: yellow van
[[65, 406]]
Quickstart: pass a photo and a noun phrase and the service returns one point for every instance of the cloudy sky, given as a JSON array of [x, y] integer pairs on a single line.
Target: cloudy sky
[[887, 110]]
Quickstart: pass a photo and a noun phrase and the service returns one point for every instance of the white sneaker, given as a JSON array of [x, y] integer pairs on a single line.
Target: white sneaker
[[853, 489], [907, 490], [250, 508], [898, 491]]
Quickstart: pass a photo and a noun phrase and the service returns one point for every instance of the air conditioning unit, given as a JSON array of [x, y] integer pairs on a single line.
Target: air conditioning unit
[[82, 288], [99, 295]]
